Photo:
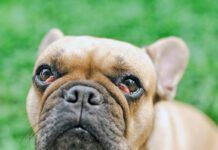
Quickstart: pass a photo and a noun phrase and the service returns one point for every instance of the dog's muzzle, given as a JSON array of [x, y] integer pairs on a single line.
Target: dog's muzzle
[[81, 116]]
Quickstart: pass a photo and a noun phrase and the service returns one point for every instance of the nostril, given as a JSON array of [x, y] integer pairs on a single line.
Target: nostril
[[72, 96], [91, 95], [94, 99], [76, 93]]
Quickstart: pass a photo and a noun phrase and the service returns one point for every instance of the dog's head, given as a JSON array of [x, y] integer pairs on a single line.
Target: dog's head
[[95, 93]]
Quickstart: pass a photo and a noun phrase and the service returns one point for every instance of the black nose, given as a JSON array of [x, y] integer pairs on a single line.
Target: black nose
[[81, 93]]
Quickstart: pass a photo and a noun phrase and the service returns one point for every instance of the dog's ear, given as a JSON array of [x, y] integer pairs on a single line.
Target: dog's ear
[[53, 35], [170, 57]]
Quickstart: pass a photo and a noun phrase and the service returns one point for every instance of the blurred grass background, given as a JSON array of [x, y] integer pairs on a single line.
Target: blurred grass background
[[23, 24]]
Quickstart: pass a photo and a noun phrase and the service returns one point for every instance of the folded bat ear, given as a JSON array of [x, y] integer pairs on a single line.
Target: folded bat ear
[[53, 35], [170, 58]]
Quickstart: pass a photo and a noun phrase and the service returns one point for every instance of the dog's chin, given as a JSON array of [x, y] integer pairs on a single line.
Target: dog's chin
[[75, 139]]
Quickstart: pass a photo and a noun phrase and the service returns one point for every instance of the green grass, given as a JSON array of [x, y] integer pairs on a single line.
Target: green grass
[[23, 24]]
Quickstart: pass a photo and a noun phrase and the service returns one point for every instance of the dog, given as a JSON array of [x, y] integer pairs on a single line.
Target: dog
[[98, 93]]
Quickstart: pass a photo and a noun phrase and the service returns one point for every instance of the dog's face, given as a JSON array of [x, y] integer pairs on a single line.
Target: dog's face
[[93, 93]]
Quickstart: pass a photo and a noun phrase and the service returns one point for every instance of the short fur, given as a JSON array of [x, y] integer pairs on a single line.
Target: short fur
[[154, 122]]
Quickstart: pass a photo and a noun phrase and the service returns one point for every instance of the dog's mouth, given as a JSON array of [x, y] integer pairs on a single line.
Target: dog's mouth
[[66, 136], [74, 138]]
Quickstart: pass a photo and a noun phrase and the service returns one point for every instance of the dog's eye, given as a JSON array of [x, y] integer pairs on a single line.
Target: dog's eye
[[130, 86], [46, 75]]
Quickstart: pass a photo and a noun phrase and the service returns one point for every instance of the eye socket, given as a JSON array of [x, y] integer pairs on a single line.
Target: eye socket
[[44, 76], [130, 85]]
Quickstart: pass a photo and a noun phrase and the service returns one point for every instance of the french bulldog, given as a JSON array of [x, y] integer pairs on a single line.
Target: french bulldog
[[97, 93]]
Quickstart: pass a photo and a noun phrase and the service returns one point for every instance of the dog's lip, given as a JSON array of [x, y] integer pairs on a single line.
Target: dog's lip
[[77, 128]]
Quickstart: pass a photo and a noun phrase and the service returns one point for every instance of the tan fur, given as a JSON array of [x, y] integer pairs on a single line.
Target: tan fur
[[181, 127], [161, 125]]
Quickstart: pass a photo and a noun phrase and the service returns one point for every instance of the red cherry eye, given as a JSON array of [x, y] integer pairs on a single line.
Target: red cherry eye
[[46, 75], [128, 86], [50, 79], [124, 88], [131, 85]]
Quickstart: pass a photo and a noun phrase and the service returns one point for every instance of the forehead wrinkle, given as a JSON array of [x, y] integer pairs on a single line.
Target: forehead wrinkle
[[57, 56], [85, 62], [120, 65], [90, 61], [50, 58], [57, 60]]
